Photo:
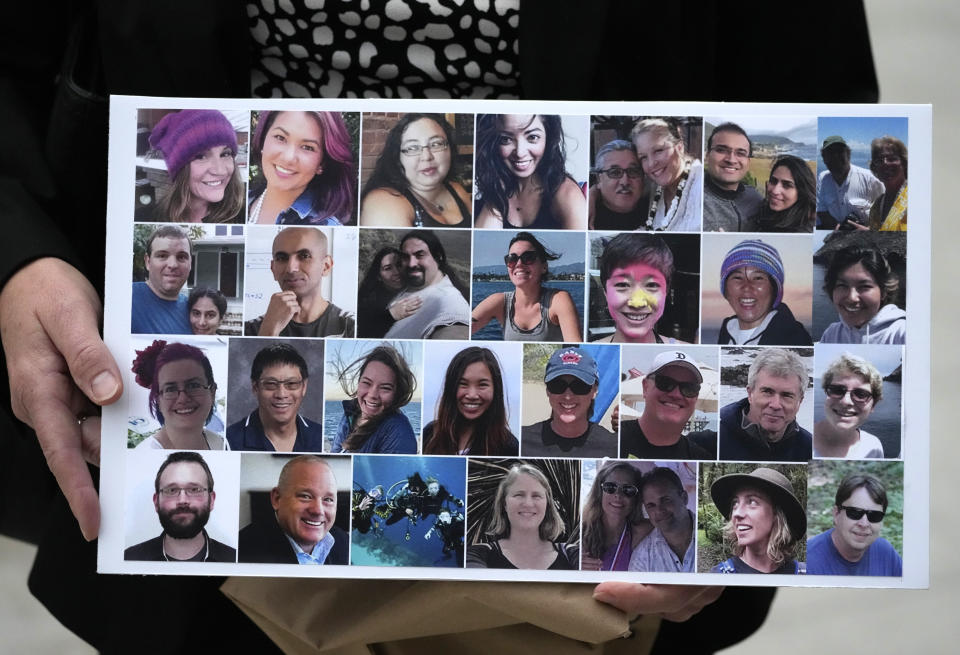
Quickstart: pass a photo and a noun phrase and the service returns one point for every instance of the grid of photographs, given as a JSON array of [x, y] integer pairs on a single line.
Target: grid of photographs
[[663, 344]]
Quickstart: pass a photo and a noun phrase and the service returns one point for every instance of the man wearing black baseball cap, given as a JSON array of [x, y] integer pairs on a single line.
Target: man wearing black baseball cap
[[670, 392]]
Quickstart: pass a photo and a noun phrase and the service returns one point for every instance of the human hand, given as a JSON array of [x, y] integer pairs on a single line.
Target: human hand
[[406, 307], [590, 563], [281, 310], [57, 364], [671, 602], [365, 503]]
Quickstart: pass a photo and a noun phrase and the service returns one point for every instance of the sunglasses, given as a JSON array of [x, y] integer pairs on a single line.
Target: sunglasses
[[839, 391], [628, 490], [856, 513], [527, 257], [666, 384], [615, 172], [576, 385]]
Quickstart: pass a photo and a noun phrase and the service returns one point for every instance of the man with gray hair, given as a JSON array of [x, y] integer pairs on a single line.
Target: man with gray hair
[[617, 201], [763, 426]]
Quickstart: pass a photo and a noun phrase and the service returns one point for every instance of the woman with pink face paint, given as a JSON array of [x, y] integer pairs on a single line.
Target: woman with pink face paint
[[635, 271], [531, 312]]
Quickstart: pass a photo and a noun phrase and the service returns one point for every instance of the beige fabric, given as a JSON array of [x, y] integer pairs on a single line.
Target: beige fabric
[[401, 617]]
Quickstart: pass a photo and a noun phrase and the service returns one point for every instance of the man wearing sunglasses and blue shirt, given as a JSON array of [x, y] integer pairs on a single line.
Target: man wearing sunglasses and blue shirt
[[572, 380], [670, 392], [853, 546]]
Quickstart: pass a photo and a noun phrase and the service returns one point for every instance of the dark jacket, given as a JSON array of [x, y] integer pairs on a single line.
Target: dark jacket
[[151, 550], [737, 444], [783, 330], [265, 542]]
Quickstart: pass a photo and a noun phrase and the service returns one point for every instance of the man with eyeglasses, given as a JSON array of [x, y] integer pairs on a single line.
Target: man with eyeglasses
[[853, 546], [670, 547], [670, 393], [845, 192], [728, 203], [278, 377], [302, 529], [300, 262], [763, 426], [617, 201], [572, 380], [183, 497], [157, 306]]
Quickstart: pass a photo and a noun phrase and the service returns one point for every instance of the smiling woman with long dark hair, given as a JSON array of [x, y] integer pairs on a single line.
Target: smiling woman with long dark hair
[[471, 414]]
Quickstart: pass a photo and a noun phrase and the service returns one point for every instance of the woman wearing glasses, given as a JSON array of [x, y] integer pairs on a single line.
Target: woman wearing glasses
[[617, 201], [853, 387], [524, 527], [572, 381], [888, 161], [522, 181], [182, 396], [613, 522], [412, 184], [531, 312], [307, 169]]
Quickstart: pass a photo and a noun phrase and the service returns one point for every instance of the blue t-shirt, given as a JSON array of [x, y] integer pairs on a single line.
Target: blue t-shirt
[[151, 314], [247, 434], [823, 558]]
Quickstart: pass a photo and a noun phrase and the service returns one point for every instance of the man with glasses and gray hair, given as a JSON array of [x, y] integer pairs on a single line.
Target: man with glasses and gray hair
[[617, 201], [183, 497], [853, 546], [278, 378], [670, 393], [728, 203]]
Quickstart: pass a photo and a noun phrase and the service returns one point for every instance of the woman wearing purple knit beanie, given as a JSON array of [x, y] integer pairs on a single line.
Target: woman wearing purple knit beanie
[[751, 279], [199, 147]]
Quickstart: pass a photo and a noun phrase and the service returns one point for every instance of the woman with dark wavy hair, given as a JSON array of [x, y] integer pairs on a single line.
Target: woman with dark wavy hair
[[790, 204], [308, 172], [863, 286], [472, 413], [378, 384], [522, 180], [413, 183], [381, 283], [613, 522]]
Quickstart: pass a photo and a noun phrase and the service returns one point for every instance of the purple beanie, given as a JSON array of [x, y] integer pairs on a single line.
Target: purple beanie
[[756, 253], [184, 134]]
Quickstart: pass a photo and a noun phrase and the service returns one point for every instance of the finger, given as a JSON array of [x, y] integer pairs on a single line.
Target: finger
[[73, 329], [61, 440], [90, 439], [637, 599]]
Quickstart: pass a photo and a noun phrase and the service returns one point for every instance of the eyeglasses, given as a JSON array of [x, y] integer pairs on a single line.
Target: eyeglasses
[[858, 395], [890, 159], [414, 149], [269, 384], [725, 151], [576, 385], [192, 389], [666, 384], [856, 513], [527, 257], [174, 492], [615, 172], [628, 490]]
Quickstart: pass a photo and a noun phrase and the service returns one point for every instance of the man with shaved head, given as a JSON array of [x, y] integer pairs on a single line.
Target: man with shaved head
[[302, 530]]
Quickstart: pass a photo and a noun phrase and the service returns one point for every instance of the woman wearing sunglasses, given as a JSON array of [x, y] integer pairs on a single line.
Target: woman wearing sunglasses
[[572, 381], [853, 387], [613, 522], [531, 312], [765, 520]]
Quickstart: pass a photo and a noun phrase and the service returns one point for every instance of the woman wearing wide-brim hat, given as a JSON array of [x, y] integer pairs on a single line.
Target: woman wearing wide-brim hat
[[764, 521]]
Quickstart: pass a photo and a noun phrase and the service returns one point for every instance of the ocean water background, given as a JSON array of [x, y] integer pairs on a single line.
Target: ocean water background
[[333, 414], [493, 331]]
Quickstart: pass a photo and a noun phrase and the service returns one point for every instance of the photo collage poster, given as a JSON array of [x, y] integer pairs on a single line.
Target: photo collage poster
[[656, 342]]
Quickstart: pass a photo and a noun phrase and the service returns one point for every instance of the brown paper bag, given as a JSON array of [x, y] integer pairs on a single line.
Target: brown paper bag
[[400, 617]]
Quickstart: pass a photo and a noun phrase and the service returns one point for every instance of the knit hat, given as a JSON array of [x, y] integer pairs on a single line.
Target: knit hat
[[774, 483], [184, 134], [755, 253]]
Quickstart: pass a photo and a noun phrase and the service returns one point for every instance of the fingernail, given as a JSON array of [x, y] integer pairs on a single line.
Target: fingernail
[[104, 386]]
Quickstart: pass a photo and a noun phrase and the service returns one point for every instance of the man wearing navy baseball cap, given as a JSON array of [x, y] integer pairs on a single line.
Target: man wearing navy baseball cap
[[670, 393], [572, 381]]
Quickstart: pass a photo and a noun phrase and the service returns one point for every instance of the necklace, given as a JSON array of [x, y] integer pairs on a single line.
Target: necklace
[[670, 212], [257, 206]]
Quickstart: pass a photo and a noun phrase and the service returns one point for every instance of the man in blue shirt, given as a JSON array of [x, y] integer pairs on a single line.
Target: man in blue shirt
[[305, 508], [279, 378], [853, 546], [158, 307]]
